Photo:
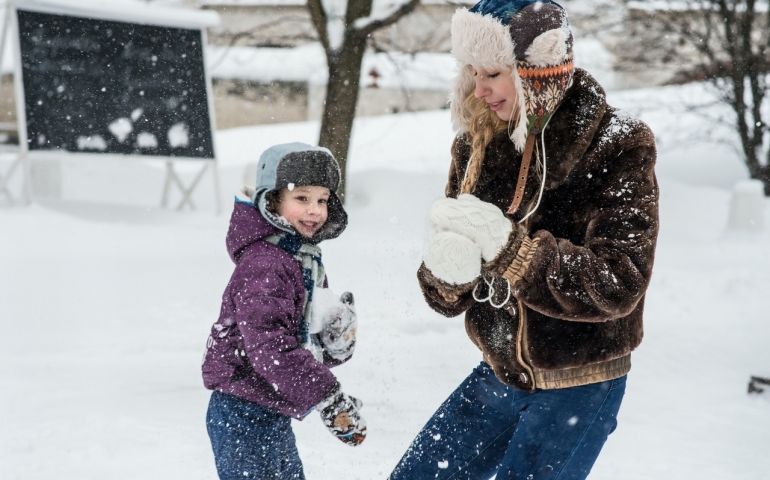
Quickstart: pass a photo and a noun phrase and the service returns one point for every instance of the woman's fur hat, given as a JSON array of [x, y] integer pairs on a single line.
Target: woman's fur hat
[[532, 38]]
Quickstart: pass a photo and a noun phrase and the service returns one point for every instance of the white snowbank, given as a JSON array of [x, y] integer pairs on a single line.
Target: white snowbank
[[107, 302]]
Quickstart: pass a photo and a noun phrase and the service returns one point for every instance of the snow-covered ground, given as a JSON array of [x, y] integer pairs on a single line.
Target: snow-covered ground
[[106, 302]]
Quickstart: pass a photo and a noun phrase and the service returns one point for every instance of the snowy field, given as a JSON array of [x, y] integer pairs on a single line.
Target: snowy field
[[106, 301]]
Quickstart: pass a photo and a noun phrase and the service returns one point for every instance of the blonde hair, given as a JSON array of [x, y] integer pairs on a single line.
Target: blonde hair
[[482, 126]]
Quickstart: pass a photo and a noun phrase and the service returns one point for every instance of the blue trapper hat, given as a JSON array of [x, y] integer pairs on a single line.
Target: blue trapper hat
[[504, 10]]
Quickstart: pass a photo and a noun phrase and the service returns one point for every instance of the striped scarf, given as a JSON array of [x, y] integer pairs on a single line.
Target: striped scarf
[[313, 275]]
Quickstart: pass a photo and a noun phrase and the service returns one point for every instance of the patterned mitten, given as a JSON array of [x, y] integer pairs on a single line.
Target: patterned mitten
[[340, 413], [338, 336], [453, 258], [480, 221]]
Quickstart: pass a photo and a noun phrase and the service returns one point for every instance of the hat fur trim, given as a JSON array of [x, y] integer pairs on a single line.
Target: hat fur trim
[[549, 48], [481, 40]]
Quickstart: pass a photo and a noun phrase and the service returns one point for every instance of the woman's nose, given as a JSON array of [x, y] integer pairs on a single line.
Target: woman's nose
[[481, 90]]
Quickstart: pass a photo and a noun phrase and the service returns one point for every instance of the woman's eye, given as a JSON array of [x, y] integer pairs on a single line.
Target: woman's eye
[[494, 75]]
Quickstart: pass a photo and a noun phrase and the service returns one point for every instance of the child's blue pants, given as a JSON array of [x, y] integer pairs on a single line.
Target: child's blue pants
[[251, 441]]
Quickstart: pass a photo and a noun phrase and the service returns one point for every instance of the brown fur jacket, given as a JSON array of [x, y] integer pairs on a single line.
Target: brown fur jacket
[[580, 265]]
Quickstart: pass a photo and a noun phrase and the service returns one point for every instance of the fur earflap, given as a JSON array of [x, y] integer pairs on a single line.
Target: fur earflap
[[549, 48], [462, 86], [519, 134]]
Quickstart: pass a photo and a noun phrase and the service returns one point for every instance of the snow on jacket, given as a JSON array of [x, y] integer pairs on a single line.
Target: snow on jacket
[[253, 352], [579, 276]]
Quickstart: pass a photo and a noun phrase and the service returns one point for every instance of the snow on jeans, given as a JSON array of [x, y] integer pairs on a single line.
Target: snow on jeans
[[251, 441], [486, 427]]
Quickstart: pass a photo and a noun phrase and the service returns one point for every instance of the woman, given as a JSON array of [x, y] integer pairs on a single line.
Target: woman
[[546, 242]]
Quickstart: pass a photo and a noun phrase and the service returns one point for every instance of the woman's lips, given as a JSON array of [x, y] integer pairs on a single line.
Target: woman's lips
[[495, 106]]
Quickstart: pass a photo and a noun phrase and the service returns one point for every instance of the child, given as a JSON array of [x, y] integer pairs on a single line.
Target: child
[[280, 329]]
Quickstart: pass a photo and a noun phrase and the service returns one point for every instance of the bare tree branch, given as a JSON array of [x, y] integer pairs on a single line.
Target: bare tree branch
[[318, 16], [395, 16]]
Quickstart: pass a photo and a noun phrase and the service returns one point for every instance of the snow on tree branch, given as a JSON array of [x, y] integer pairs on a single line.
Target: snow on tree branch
[[385, 17], [335, 22]]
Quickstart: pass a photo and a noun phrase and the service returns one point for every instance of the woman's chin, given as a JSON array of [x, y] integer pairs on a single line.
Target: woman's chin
[[504, 115]]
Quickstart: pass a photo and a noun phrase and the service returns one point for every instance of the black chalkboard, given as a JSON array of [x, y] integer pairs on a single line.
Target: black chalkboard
[[101, 86]]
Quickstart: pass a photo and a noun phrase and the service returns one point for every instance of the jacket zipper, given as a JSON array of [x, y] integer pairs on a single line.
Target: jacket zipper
[[521, 348]]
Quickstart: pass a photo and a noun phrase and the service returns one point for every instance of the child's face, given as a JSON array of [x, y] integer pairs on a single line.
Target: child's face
[[305, 208]]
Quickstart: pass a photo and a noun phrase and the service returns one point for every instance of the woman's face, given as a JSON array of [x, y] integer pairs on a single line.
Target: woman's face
[[496, 87]]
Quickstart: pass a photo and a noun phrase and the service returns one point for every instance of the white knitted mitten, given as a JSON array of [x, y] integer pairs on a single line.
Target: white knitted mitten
[[480, 221], [453, 258]]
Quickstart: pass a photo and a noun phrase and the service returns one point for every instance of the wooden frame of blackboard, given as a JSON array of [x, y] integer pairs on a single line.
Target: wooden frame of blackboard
[[176, 18], [21, 160]]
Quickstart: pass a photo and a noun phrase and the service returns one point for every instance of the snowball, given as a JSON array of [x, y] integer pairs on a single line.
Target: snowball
[[323, 301]]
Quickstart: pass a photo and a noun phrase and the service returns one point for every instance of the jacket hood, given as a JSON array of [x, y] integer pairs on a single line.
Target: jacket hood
[[247, 225]]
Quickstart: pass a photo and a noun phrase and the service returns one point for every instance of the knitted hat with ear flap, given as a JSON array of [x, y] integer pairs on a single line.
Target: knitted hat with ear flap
[[531, 38]]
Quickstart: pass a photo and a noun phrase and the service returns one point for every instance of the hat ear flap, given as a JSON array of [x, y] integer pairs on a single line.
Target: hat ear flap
[[519, 135], [548, 48], [462, 86]]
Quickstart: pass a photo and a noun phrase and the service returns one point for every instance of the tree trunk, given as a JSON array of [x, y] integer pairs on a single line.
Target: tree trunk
[[341, 101], [344, 63]]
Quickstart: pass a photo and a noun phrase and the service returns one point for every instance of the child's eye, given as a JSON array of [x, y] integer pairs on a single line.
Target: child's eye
[[493, 75], [323, 201], [302, 198]]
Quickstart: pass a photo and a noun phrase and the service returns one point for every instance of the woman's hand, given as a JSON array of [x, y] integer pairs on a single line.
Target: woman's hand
[[452, 258], [481, 222]]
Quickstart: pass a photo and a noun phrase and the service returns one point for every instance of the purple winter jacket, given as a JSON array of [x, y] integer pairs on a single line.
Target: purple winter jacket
[[252, 351]]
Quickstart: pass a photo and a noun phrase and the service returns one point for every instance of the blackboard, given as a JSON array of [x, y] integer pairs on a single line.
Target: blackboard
[[102, 86]]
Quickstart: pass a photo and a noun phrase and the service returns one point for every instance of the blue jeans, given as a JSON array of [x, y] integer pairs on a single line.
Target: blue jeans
[[487, 428], [251, 441]]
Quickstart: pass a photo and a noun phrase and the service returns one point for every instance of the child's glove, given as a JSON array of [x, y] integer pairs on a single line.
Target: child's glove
[[338, 336], [340, 413]]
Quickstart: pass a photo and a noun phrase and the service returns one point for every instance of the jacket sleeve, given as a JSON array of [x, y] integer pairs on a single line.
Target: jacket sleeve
[[605, 275], [448, 300], [266, 314]]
